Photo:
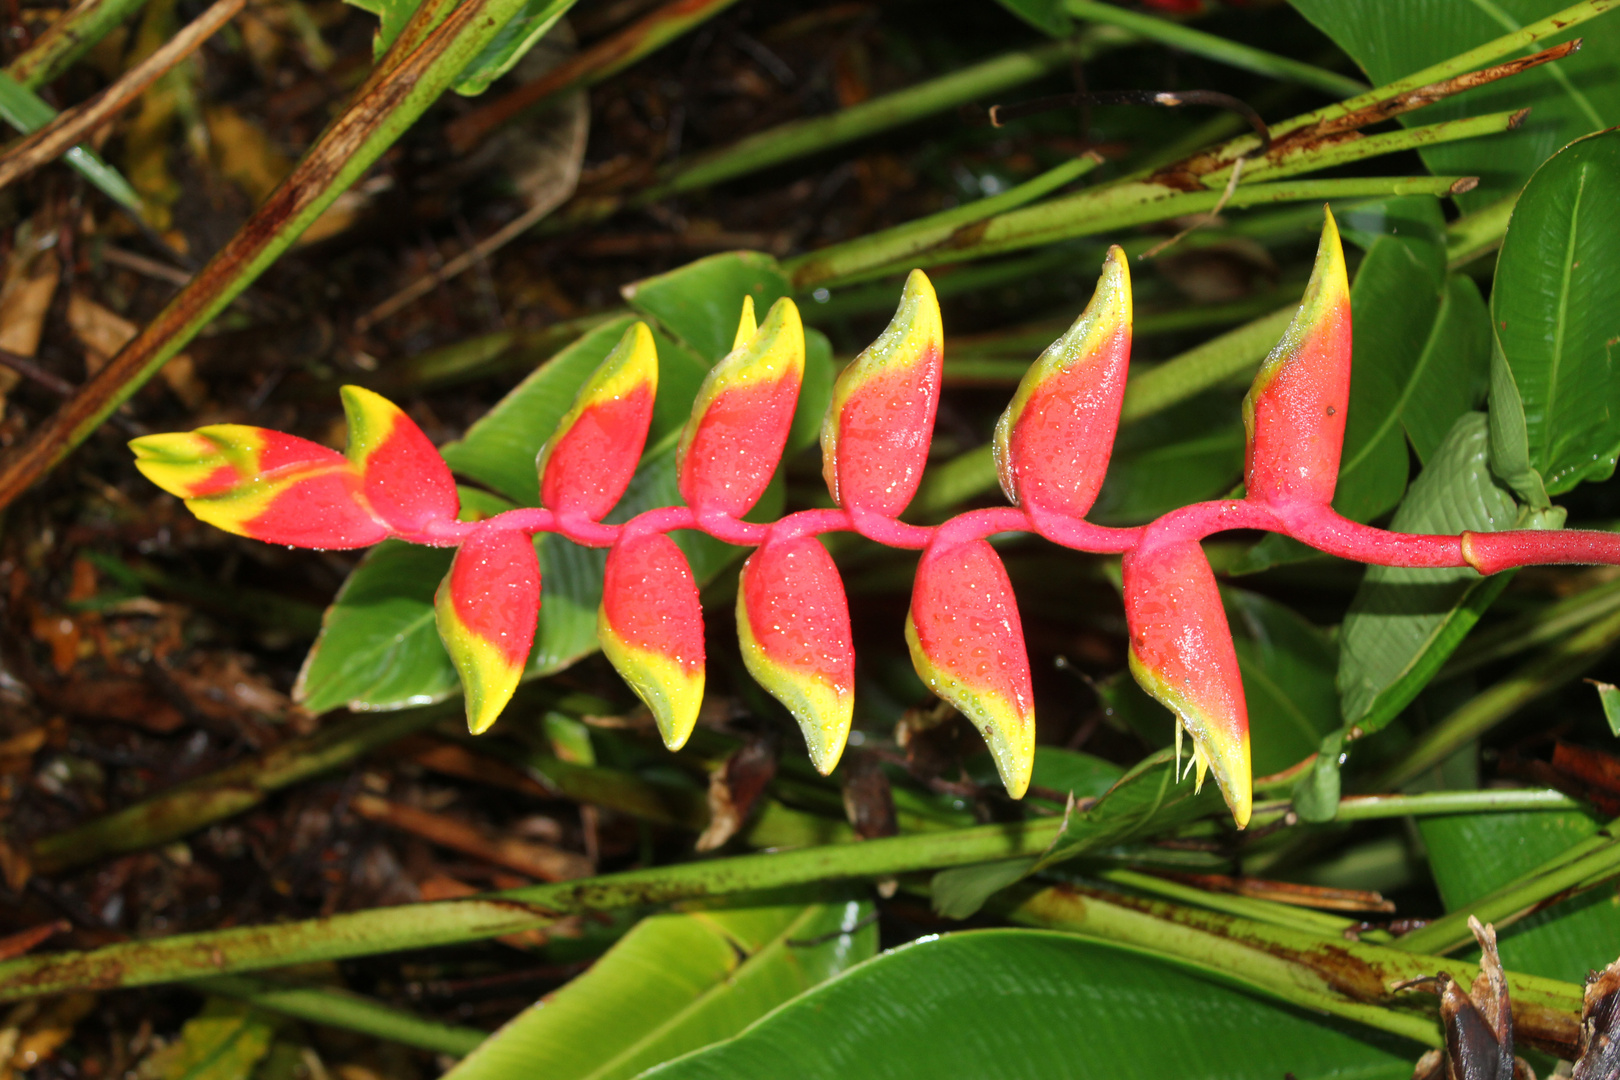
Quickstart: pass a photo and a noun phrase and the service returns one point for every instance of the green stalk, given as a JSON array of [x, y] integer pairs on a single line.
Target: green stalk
[[1431, 803], [1328, 972], [342, 1009], [72, 35], [1537, 628], [1218, 49], [1234, 353], [812, 136], [28, 112], [416, 926], [1330, 155], [1560, 664], [1244, 907]]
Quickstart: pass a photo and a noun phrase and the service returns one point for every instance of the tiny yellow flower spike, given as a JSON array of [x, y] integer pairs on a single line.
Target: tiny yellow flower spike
[[650, 626], [874, 441], [589, 460], [1294, 413], [1181, 652], [487, 607], [742, 415], [793, 624], [967, 644], [1053, 443], [263, 484]]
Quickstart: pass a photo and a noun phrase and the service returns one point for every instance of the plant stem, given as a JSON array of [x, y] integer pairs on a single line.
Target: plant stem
[[28, 112], [72, 35], [1430, 803], [413, 926], [1560, 664], [1219, 49], [1234, 353], [1244, 907], [1535, 628], [352, 1012]]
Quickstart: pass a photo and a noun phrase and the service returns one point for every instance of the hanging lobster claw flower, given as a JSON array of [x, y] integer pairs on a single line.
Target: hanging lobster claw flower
[[793, 623], [1053, 443], [1294, 413], [650, 626], [262, 484], [486, 608], [404, 479], [589, 460], [742, 415], [874, 441], [1181, 652], [967, 643]]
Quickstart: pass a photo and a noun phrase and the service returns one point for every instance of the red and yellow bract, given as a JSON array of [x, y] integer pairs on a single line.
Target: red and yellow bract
[[487, 607], [650, 626], [589, 460]]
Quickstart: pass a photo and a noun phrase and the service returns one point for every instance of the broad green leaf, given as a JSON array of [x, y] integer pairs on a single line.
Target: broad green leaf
[[815, 392], [1475, 854], [1147, 800], [673, 984], [1390, 39], [1288, 668], [27, 111], [1393, 305], [1453, 370], [1017, 1004], [1510, 436], [514, 41], [1403, 622], [222, 1042], [1555, 306], [699, 302]]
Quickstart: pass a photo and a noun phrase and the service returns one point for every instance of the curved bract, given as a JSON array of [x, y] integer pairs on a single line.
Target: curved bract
[[1052, 448]]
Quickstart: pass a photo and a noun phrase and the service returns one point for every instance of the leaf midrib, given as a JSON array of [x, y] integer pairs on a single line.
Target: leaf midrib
[[1560, 324]]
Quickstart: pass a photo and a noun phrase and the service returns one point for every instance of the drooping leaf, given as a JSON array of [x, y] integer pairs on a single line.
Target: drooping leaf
[[1555, 307], [1390, 39], [967, 643], [486, 610], [673, 984], [1474, 854], [651, 629], [1027, 1004], [793, 627]]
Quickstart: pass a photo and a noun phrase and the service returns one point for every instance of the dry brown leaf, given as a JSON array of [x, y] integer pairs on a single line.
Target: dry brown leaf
[[244, 154], [46, 1034], [103, 332], [25, 296]]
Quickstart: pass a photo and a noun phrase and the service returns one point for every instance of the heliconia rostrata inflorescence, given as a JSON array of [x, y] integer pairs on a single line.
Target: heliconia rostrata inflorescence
[[1051, 446]]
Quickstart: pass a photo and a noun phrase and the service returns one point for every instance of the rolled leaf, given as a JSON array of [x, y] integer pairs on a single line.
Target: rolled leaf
[[1053, 443], [650, 626], [793, 623], [404, 479], [262, 484], [874, 442], [486, 609], [1181, 652], [1294, 413], [589, 460], [967, 643], [742, 415]]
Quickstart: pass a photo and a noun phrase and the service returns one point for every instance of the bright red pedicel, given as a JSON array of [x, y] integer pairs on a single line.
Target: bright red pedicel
[[1181, 652], [967, 643], [1295, 411], [590, 467]]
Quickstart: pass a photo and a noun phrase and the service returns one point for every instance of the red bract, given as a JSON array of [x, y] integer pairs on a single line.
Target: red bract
[[487, 607], [1181, 652], [650, 626], [1295, 412], [875, 439], [793, 624], [1053, 443], [742, 415], [967, 643], [589, 460], [405, 480]]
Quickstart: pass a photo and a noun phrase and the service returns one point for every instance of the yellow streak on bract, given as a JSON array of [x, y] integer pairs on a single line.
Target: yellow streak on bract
[[1009, 735], [915, 327], [745, 324], [673, 696], [824, 711], [1328, 288], [232, 510], [1109, 309], [769, 353], [633, 363], [487, 680], [178, 461], [371, 417], [1227, 759]]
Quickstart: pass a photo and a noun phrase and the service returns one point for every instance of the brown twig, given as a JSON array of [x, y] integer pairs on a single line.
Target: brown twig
[[73, 125], [534, 860]]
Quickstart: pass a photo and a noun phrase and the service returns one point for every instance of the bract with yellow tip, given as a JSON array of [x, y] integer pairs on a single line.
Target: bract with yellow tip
[[650, 627], [590, 458], [486, 609]]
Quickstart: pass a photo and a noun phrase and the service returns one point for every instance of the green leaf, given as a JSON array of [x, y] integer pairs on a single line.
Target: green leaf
[[1453, 371], [1609, 697], [1016, 1004], [514, 41], [1403, 622], [699, 303], [674, 983], [1393, 305], [959, 893], [1147, 800], [1288, 667], [27, 111], [1579, 94], [1190, 452], [222, 1042], [1555, 306], [1475, 854], [1047, 16], [1510, 436]]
